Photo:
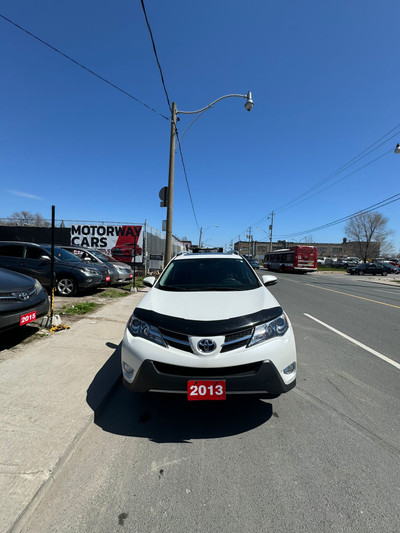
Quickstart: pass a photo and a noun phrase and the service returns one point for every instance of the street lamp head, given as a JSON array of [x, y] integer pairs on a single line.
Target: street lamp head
[[249, 102]]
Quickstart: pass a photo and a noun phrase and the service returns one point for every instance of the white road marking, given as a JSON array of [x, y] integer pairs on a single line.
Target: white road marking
[[387, 292], [367, 348]]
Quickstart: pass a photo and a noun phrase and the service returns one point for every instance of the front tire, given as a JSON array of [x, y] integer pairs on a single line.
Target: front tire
[[361, 273], [384, 273], [66, 287]]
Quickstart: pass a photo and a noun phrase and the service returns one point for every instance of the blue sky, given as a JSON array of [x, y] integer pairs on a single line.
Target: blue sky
[[325, 83]]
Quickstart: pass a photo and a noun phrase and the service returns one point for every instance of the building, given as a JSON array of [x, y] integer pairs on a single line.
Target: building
[[346, 248]]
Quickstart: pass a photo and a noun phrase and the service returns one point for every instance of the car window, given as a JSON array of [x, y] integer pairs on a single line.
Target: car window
[[10, 250], [64, 255], [208, 275], [33, 252], [103, 257]]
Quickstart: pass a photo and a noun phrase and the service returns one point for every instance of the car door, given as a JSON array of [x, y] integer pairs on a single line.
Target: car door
[[11, 255], [36, 263]]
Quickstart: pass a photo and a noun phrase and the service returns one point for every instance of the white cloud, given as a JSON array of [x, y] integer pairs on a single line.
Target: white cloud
[[25, 195]]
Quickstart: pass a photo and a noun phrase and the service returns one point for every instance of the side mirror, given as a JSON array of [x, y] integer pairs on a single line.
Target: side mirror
[[45, 257], [149, 281], [269, 280]]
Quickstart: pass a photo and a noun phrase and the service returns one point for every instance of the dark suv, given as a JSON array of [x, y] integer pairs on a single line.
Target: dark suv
[[71, 274]]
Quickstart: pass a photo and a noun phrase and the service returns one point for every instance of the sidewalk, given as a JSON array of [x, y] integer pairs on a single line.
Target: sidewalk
[[49, 394], [390, 279]]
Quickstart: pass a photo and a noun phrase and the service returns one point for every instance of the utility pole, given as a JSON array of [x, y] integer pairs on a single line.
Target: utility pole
[[271, 227], [168, 236], [250, 238]]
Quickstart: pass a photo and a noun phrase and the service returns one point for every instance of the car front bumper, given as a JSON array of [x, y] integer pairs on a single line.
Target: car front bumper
[[259, 379], [148, 367], [11, 319]]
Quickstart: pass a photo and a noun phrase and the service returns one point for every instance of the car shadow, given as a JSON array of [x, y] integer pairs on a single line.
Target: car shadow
[[11, 338], [168, 418]]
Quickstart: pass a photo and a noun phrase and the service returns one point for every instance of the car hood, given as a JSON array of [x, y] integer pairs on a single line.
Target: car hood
[[208, 305], [13, 281]]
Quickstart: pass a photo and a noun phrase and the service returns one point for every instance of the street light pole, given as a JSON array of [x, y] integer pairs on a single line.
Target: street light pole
[[174, 112], [171, 172], [201, 232]]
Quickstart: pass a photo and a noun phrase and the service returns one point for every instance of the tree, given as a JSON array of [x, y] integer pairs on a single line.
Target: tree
[[369, 233], [26, 218]]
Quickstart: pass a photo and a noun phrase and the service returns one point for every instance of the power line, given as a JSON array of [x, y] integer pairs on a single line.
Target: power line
[[156, 55], [350, 163], [83, 66], [337, 181], [382, 203], [187, 181], [169, 105]]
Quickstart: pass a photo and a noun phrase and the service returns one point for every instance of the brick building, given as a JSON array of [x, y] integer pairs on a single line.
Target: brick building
[[258, 249]]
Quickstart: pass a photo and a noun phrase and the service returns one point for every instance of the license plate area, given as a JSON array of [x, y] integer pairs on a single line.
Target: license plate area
[[206, 389], [28, 317]]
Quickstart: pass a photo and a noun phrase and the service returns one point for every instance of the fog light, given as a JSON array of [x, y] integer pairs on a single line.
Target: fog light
[[289, 369], [128, 369]]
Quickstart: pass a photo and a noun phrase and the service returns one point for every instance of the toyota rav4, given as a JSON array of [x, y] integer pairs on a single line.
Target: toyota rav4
[[209, 328]]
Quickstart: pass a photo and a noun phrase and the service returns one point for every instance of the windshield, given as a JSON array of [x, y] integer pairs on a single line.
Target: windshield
[[103, 257], [208, 275], [62, 254]]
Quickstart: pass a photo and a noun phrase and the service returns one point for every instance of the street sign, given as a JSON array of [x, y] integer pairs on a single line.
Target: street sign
[[163, 195]]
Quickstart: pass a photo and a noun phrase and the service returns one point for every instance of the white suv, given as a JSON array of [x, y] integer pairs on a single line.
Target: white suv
[[209, 328]]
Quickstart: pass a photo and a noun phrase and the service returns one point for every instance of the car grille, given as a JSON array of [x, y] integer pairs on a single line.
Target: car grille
[[6, 297], [240, 370], [176, 340], [233, 340], [236, 340]]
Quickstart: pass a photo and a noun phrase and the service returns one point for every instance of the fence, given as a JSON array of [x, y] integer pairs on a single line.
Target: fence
[[153, 239]]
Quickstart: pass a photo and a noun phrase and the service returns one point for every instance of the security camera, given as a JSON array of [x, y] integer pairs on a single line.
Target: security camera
[[249, 102]]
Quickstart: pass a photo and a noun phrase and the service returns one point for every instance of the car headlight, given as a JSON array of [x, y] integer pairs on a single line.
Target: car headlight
[[89, 271], [269, 330], [138, 328], [38, 287]]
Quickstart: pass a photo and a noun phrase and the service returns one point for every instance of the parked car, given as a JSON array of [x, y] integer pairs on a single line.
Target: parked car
[[209, 328], [254, 263], [345, 262], [368, 269], [71, 274], [22, 300], [391, 269], [324, 261], [123, 273], [126, 252], [89, 257]]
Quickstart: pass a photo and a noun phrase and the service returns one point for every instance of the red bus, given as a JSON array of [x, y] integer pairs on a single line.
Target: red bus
[[293, 259]]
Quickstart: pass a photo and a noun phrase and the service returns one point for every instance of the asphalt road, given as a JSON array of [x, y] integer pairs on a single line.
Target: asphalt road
[[324, 457]]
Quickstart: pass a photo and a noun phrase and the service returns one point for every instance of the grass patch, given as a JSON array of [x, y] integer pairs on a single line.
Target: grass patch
[[331, 269], [80, 308], [113, 293]]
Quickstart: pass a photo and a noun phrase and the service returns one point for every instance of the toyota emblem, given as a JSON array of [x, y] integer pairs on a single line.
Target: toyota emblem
[[206, 345]]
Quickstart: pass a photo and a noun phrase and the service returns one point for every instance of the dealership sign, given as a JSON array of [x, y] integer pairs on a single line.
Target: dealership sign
[[124, 243]]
